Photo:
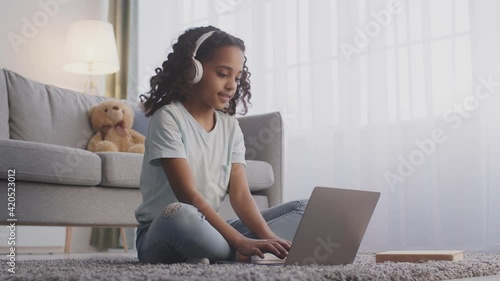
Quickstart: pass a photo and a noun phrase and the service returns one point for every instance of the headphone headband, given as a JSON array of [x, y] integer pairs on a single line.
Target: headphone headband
[[197, 66], [201, 40]]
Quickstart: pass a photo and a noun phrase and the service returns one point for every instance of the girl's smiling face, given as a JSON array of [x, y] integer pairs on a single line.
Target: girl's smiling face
[[221, 76]]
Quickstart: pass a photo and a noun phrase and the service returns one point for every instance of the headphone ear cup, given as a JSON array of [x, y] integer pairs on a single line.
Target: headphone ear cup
[[198, 71]]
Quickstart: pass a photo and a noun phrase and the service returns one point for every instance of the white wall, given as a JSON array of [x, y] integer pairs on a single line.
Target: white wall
[[154, 46], [34, 33], [32, 40]]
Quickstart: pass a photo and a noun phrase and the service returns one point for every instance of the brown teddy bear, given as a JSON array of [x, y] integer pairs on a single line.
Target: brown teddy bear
[[112, 119]]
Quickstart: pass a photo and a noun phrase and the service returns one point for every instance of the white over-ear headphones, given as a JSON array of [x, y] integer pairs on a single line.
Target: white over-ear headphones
[[198, 68]]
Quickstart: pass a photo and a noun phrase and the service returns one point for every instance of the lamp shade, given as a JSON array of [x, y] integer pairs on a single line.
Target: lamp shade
[[91, 48]]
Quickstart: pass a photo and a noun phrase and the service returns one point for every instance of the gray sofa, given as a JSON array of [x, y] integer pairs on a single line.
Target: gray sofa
[[44, 131]]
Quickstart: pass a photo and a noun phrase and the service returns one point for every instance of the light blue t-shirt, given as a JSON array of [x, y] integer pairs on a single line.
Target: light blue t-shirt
[[174, 133]]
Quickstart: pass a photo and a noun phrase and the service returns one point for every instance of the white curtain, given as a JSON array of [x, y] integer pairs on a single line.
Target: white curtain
[[400, 97]]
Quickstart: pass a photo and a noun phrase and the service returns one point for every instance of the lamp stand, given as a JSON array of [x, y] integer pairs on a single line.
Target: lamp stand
[[91, 87]]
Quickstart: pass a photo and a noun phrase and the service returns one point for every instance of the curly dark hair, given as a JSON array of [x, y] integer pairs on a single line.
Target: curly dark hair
[[172, 81]]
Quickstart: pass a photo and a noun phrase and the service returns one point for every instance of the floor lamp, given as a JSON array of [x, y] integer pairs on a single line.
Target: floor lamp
[[91, 50]]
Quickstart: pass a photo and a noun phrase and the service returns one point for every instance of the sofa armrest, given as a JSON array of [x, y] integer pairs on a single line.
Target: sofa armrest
[[264, 141]]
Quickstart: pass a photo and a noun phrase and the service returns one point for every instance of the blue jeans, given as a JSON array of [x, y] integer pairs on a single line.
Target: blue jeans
[[181, 232]]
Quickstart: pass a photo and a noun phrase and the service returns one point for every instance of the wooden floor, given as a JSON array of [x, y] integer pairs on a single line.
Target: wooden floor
[[24, 257]]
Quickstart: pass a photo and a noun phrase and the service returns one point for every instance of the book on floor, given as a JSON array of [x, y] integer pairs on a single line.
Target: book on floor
[[417, 256]]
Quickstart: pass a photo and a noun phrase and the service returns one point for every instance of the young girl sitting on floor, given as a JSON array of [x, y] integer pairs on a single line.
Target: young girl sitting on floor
[[195, 154]]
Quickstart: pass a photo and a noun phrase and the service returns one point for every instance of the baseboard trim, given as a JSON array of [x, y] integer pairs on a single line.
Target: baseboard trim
[[20, 250]]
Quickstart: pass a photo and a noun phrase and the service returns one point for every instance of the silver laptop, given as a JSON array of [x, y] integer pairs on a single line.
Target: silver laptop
[[331, 229]]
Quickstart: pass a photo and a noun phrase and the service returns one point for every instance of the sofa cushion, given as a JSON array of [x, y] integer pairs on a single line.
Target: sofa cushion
[[121, 169], [35, 107], [259, 174], [38, 162]]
